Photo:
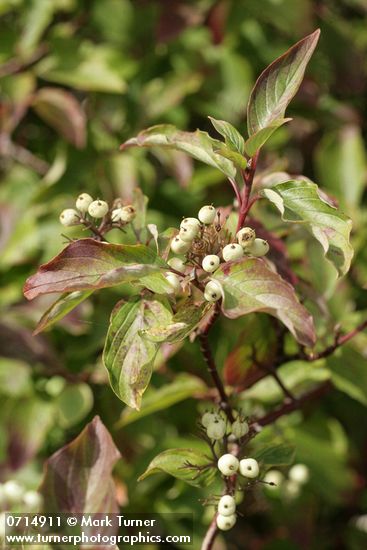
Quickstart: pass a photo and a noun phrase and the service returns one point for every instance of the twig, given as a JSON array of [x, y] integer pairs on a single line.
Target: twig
[[248, 176], [340, 340], [210, 535], [236, 191]]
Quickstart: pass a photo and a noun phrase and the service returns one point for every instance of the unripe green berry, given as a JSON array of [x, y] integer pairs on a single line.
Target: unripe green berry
[[210, 263], [246, 236], [239, 428], [299, 473], [228, 464], [258, 248], [189, 221], [174, 281], [208, 418], [128, 213], [207, 214], [98, 209], [226, 505], [225, 523], [188, 232], [291, 489], [177, 263], [69, 217], [232, 252], [178, 246], [213, 291], [249, 468], [217, 429], [83, 202], [116, 215]]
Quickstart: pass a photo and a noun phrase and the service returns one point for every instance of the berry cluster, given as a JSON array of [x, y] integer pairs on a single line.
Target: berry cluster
[[216, 425], [118, 215], [205, 244], [290, 487], [13, 494]]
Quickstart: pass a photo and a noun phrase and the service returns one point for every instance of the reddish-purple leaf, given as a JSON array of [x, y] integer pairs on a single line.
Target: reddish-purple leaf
[[78, 477], [88, 264], [62, 111], [250, 285]]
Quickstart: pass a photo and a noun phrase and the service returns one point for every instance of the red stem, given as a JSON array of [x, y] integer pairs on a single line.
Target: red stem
[[248, 176]]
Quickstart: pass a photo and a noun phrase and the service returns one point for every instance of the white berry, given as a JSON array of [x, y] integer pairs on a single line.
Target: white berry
[[227, 505], [116, 215], [213, 291], [174, 281], [258, 248], [228, 464], [232, 252], [189, 221], [249, 467], [217, 429], [32, 500], [98, 209], [239, 428], [274, 478], [188, 233], [225, 523], [246, 236], [128, 213], [177, 264], [83, 202], [207, 214], [178, 246], [13, 491], [208, 418], [69, 217], [299, 473], [210, 263]]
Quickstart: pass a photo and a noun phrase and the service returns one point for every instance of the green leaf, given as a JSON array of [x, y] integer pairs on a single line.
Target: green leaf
[[15, 377], [73, 404], [349, 373], [257, 140], [277, 455], [250, 285], [60, 308], [278, 84], [237, 159], [197, 144], [183, 387], [78, 477], [175, 462], [188, 316], [128, 356], [90, 264], [232, 137], [300, 202]]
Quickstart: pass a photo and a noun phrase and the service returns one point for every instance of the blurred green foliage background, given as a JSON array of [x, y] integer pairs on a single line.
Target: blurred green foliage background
[[77, 79]]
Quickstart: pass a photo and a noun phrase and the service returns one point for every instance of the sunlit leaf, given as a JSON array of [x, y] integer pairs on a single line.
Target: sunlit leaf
[[232, 137], [257, 140]]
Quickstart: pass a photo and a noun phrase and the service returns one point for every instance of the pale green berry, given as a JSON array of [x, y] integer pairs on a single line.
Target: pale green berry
[[299, 473], [249, 468], [210, 263], [217, 429], [178, 246], [116, 215], [274, 478], [188, 233], [246, 236], [13, 491], [232, 252], [239, 428], [228, 464], [174, 281], [213, 291], [226, 505], [83, 202], [69, 217], [291, 489], [128, 213], [189, 221], [207, 214], [32, 500], [98, 209], [177, 263], [208, 418], [258, 248], [225, 523]]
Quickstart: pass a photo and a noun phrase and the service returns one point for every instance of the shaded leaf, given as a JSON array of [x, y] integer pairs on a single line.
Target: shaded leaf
[[60, 308], [278, 84], [183, 387], [174, 462], [250, 285], [278, 455], [78, 477], [62, 111], [73, 404], [232, 137], [88, 264], [349, 373], [257, 140], [197, 144], [300, 202], [128, 356]]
